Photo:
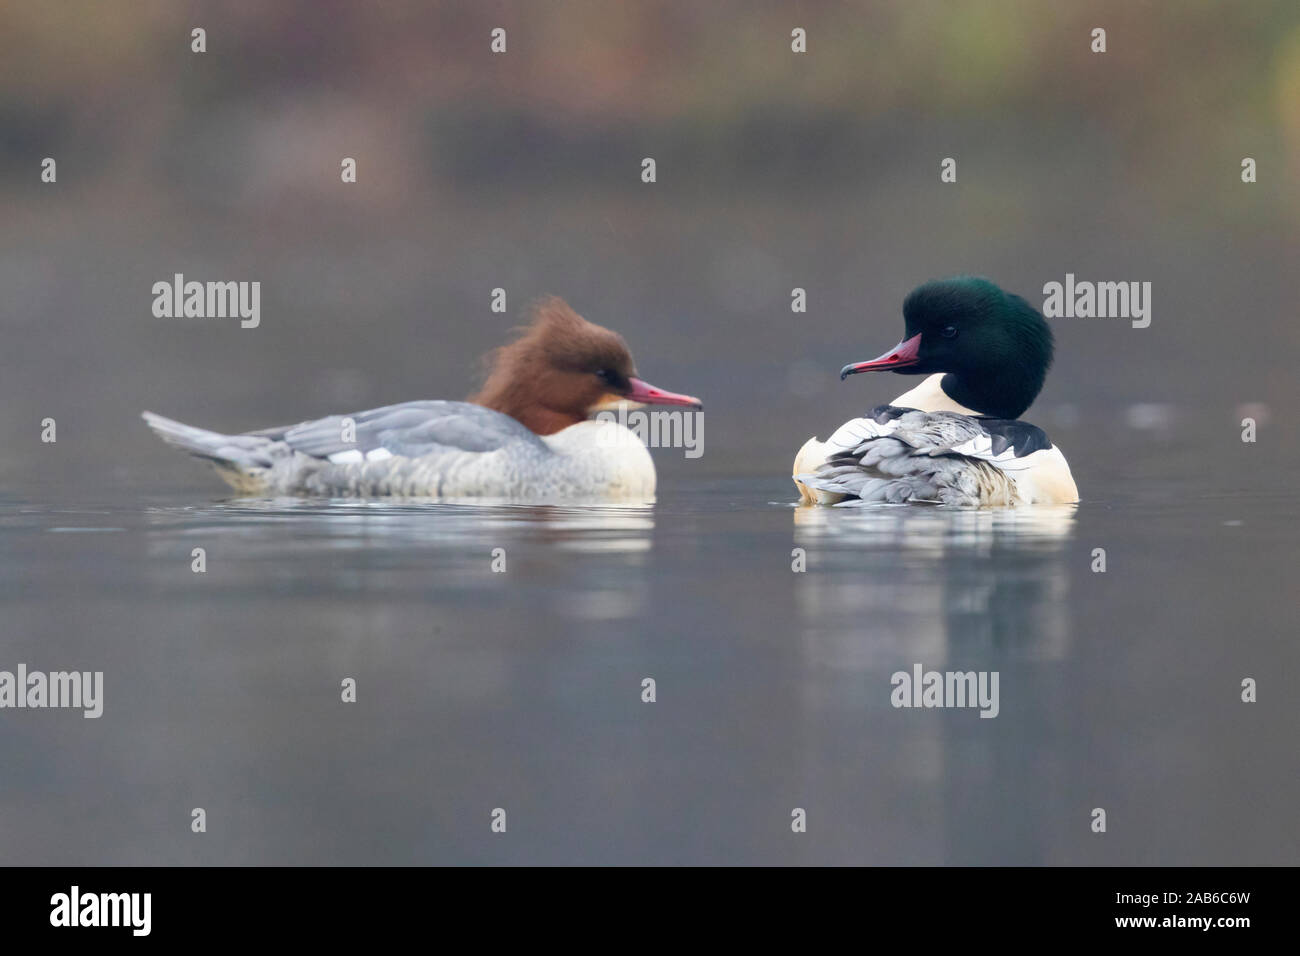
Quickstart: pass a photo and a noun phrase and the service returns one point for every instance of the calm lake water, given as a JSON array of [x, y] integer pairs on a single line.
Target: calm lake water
[[522, 690]]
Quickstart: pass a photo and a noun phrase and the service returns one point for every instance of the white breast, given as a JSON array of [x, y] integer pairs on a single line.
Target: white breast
[[603, 459]]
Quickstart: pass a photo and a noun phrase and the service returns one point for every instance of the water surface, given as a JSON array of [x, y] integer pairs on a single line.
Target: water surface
[[522, 689]]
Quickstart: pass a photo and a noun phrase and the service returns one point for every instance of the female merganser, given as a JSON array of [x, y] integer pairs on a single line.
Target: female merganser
[[955, 438], [524, 436]]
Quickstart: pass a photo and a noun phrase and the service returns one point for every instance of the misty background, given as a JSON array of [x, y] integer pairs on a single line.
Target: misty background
[[522, 171]]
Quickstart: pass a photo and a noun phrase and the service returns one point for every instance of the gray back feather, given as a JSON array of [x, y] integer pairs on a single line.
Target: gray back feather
[[410, 429]]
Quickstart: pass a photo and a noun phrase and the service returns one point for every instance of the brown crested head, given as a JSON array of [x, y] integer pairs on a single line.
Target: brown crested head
[[561, 369]]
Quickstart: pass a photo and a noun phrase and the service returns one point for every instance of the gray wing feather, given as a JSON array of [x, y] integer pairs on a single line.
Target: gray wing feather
[[410, 429], [920, 456]]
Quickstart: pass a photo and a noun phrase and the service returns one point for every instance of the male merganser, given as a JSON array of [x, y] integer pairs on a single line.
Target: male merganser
[[524, 436], [955, 438]]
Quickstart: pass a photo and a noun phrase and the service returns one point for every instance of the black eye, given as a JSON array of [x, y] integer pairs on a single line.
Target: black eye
[[949, 332], [604, 374]]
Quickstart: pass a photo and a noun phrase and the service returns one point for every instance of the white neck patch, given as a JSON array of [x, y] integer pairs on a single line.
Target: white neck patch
[[930, 397]]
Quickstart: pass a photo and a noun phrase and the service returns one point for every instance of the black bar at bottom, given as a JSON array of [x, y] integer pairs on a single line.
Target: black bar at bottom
[[335, 905]]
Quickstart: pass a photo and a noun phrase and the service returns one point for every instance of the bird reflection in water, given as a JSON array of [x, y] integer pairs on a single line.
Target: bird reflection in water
[[403, 548], [891, 579], [986, 590]]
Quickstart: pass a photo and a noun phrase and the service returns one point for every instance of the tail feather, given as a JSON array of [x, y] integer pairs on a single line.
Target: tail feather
[[242, 460]]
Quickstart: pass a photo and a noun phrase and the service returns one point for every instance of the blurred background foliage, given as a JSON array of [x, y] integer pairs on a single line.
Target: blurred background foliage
[[1182, 80], [522, 171]]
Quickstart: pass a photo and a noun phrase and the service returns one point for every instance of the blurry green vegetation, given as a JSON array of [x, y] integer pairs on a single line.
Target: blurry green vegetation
[[1191, 85]]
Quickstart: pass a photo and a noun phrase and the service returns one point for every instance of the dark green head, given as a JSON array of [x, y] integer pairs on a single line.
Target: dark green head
[[995, 347]]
